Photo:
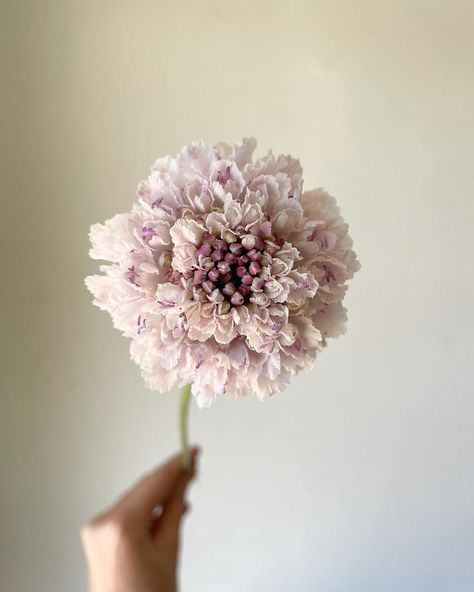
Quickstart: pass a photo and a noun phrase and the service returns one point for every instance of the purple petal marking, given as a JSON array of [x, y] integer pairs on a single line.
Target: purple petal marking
[[141, 325], [205, 190], [267, 342], [314, 237], [157, 202], [166, 303], [148, 232], [329, 274], [223, 176], [131, 275], [303, 285], [184, 320], [277, 327]]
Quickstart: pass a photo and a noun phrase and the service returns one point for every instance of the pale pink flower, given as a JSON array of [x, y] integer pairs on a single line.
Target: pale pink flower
[[225, 274]]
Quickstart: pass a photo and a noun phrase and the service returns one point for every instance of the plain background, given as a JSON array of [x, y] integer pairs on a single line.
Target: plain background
[[361, 476]]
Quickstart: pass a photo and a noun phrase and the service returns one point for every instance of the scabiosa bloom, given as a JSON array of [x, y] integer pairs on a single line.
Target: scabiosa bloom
[[225, 274]]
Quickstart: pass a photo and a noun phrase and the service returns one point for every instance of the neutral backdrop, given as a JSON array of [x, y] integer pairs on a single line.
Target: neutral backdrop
[[361, 476]]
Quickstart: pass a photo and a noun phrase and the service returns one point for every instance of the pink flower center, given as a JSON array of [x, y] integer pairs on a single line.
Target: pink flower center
[[237, 270]]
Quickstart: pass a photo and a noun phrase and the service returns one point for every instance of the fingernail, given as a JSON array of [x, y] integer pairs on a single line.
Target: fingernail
[[194, 456], [195, 451]]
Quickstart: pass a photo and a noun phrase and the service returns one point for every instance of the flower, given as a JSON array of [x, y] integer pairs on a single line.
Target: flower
[[225, 274]]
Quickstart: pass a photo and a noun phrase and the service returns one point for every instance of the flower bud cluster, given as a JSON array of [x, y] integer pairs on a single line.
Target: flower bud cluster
[[238, 268]]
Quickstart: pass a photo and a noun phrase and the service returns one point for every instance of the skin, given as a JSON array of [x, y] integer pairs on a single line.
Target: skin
[[128, 548]]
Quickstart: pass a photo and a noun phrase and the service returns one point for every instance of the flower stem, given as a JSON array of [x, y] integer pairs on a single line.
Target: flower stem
[[183, 424]]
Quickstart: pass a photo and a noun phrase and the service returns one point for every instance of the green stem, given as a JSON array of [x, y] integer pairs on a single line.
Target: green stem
[[183, 424]]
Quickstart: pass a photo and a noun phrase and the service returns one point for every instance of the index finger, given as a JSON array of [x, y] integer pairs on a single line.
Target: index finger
[[152, 490]]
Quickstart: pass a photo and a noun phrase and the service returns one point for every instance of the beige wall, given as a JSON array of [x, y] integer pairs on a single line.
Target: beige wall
[[361, 476]]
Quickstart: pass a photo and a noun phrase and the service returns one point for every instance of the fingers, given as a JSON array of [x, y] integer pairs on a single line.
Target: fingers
[[167, 534], [155, 488]]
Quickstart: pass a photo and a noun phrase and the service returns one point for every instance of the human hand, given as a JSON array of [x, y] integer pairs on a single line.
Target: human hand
[[129, 548]]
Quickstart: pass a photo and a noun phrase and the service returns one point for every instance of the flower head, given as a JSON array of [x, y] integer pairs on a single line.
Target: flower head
[[225, 274]]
